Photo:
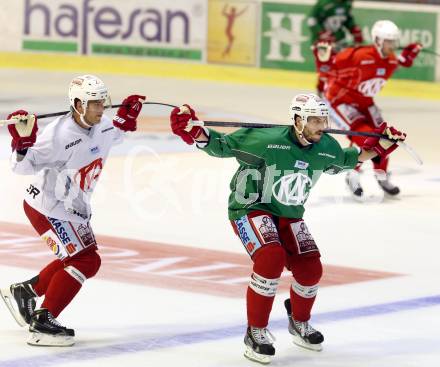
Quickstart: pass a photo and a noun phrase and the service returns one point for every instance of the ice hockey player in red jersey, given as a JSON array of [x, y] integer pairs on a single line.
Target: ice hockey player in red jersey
[[357, 74], [67, 157]]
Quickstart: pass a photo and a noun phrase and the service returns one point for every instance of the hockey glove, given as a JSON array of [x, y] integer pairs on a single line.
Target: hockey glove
[[381, 146], [356, 32], [323, 51], [180, 120], [127, 114], [408, 54], [24, 133]]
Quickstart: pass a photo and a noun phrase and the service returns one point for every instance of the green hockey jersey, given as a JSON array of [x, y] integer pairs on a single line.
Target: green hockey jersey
[[276, 172], [333, 16]]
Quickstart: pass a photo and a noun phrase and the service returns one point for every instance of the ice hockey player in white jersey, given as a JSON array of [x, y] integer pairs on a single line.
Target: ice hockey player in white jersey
[[67, 157]]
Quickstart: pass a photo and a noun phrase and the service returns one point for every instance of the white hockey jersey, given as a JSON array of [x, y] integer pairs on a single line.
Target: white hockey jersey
[[68, 160]]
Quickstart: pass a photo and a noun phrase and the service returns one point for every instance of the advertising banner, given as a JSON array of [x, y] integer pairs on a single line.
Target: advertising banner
[[285, 37], [162, 28], [415, 27], [232, 32]]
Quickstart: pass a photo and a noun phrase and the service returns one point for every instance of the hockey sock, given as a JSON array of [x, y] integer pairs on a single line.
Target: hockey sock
[[307, 272], [268, 265], [45, 276]]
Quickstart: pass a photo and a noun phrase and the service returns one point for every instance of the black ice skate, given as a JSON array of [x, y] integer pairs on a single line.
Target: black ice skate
[[383, 180], [20, 299], [352, 179], [259, 345], [45, 330], [303, 334]]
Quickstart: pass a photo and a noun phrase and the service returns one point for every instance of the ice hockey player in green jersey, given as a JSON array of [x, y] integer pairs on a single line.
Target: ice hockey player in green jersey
[[332, 21], [277, 169]]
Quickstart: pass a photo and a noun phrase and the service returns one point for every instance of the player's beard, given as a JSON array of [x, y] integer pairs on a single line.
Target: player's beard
[[313, 138]]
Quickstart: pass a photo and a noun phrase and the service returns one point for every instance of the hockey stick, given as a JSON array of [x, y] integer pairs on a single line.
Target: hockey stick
[[408, 148], [56, 114]]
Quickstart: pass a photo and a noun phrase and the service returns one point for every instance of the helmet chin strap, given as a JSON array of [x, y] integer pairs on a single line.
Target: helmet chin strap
[[300, 133], [81, 117], [379, 48]]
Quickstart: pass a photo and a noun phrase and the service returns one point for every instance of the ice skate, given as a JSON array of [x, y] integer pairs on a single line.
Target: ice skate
[[304, 335], [45, 330], [352, 179], [259, 345], [20, 299], [383, 179]]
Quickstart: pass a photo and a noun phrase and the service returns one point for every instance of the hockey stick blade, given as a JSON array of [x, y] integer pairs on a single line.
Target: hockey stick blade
[[410, 150]]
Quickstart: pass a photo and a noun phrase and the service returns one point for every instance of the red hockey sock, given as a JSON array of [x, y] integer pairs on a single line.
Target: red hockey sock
[[269, 262], [307, 273], [66, 283], [380, 164], [45, 276], [62, 289]]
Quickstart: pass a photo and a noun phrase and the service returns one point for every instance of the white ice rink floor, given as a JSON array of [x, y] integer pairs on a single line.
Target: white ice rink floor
[[171, 290]]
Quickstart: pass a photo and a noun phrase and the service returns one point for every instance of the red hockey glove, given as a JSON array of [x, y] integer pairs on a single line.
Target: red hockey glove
[[323, 51], [24, 133], [409, 53], [326, 36], [356, 31], [381, 146], [127, 114], [180, 124]]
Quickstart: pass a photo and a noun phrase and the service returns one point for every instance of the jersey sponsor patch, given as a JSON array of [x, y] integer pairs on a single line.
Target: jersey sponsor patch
[[72, 144], [70, 238], [54, 243], [247, 236], [278, 146], [304, 240], [94, 150], [61, 229], [107, 129], [301, 164], [326, 155], [348, 113], [265, 229], [32, 190], [380, 72]]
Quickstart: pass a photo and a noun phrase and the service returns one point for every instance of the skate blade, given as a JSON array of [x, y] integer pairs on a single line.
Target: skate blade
[[47, 340], [256, 357], [301, 343], [9, 300]]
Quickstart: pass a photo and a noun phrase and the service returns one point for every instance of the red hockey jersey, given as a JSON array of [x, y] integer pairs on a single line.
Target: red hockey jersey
[[357, 74]]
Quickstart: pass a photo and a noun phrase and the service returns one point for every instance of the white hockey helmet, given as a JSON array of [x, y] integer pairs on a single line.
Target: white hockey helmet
[[384, 30], [88, 88], [305, 105]]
